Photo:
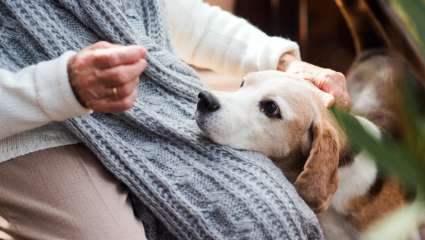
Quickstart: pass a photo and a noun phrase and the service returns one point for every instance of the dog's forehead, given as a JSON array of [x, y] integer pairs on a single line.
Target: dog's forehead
[[266, 75], [277, 81], [275, 78]]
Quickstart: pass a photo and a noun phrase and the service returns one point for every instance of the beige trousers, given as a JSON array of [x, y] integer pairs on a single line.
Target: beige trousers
[[64, 193]]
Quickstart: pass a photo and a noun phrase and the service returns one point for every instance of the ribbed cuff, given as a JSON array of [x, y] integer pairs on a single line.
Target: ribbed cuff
[[273, 51], [54, 92]]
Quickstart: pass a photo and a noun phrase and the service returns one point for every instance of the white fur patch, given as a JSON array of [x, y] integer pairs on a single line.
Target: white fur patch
[[356, 179], [367, 100]]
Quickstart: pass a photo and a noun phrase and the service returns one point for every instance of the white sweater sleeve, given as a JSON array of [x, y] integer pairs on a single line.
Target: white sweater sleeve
[[36, 95], [209, 37]]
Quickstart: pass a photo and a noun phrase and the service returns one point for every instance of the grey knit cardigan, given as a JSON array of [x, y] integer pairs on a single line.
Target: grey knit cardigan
[[183, 186]]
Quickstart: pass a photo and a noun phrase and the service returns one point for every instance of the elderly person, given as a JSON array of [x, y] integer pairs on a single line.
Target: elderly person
[[96, 108]]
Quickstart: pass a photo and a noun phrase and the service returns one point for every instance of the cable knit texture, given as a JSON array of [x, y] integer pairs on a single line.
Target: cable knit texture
[[183, 186]]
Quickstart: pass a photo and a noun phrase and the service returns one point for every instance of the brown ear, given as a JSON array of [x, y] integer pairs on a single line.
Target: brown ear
[[318, 181]]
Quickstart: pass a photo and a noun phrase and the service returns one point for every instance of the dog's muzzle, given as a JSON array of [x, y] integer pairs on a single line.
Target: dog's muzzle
[[207, 102]]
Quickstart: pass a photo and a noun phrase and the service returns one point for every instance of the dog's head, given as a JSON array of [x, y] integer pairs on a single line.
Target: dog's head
[[279, 116]]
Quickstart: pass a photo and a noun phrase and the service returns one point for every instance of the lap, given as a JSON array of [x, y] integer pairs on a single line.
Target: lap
[[64, 193]]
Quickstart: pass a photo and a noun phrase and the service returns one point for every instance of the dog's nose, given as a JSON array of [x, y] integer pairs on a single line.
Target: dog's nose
[[207, 102]]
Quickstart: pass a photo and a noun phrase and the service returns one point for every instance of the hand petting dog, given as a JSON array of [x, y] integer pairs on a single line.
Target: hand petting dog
[[105, 76], [329, 81]]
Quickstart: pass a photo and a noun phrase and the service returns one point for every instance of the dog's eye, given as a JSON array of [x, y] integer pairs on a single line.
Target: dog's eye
[[270, 108], [242, 83]]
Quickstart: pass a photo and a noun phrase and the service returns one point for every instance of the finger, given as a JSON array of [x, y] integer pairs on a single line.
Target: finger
[[118, 76], [87, 52], [327, 99], [121, 92], [112, 57], [322, 78], [115, 106]]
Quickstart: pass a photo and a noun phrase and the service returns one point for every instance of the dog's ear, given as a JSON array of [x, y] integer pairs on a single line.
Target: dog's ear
[[318, 181]]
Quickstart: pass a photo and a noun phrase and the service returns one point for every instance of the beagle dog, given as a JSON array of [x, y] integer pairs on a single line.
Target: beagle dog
[[285, 119]]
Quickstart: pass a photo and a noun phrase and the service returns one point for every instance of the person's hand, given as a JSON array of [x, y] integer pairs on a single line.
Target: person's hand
[[104, 76], [327, 80]]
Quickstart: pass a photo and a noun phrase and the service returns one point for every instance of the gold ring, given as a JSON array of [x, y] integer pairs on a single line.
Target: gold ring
[[115, 92]]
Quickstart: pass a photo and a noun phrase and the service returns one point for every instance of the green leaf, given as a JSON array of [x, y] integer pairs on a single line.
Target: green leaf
[[411, 12]]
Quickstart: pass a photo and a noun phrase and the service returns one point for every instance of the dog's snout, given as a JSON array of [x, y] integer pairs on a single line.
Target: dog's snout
[[207, 102]]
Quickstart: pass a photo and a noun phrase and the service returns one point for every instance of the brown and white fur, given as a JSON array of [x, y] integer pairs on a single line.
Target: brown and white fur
[[304, 140]]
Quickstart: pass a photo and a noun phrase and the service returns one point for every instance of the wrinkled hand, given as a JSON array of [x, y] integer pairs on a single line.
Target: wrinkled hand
[[104, 76], [329, 81]]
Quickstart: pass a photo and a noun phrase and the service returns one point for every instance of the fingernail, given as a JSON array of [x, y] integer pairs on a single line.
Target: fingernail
[[145, 62]]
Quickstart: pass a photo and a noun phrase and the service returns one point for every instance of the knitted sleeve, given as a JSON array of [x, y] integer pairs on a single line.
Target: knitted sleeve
[[35, 96], [209, 37]]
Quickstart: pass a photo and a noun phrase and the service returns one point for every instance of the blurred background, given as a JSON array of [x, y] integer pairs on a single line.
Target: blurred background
[[317, 26]]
